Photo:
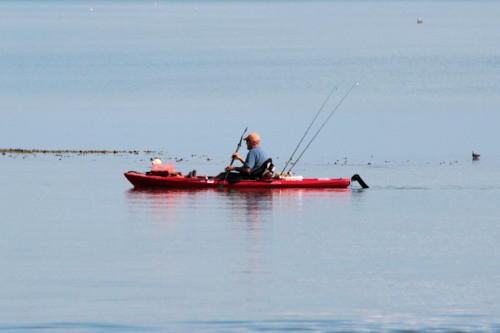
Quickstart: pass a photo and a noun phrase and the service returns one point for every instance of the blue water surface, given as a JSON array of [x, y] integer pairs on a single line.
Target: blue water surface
[[81, 250]]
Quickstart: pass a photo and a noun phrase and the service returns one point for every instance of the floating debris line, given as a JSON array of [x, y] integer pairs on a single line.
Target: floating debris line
[[70, 151], [14, 152]]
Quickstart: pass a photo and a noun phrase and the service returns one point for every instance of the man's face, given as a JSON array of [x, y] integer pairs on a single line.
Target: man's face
[[251, 144]]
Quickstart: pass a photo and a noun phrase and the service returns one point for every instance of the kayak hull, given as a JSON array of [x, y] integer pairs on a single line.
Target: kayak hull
[[142, 180]]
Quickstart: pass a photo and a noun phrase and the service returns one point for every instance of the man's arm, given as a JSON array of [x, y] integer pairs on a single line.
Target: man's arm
[[242, 169]]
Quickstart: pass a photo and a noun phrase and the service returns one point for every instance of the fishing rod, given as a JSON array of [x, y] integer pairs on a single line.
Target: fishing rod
[[234, 157], [356, 84], [310, 125]]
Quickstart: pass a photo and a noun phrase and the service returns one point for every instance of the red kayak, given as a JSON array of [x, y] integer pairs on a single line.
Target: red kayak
[[165, 176], [148, 180]]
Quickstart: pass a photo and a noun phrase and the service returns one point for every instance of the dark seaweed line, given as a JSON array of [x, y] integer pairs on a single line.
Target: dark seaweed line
[[70, 151]]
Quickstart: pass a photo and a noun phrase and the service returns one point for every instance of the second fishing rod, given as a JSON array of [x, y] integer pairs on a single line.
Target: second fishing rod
[[356, 84]]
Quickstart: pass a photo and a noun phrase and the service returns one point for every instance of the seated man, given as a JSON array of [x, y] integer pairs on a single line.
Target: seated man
[[256, 157]]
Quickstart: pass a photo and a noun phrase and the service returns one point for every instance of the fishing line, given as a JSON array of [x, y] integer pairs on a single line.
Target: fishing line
[[324, 123], [307, 131]]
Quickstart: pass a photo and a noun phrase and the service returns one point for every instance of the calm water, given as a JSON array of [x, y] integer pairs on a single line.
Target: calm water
[[82, 251]]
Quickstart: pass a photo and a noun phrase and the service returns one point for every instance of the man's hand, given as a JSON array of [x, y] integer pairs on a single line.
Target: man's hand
[[238, 157]]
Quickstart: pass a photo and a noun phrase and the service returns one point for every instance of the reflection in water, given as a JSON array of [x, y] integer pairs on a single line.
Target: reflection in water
[[260, 208], [239, 221], [357, 197], [251, 206], [256, 209], [165, 206]]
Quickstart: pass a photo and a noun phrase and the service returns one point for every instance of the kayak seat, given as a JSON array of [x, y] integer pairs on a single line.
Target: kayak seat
[[265, 171]]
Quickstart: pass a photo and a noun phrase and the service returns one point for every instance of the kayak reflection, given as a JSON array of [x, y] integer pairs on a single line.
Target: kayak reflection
[[238, 205], [239, 228]]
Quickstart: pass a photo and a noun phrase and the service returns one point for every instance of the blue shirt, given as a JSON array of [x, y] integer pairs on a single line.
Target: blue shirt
[[255, 158]]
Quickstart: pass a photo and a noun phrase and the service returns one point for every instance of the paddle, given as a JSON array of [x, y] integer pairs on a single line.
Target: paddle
[[232, 160]]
